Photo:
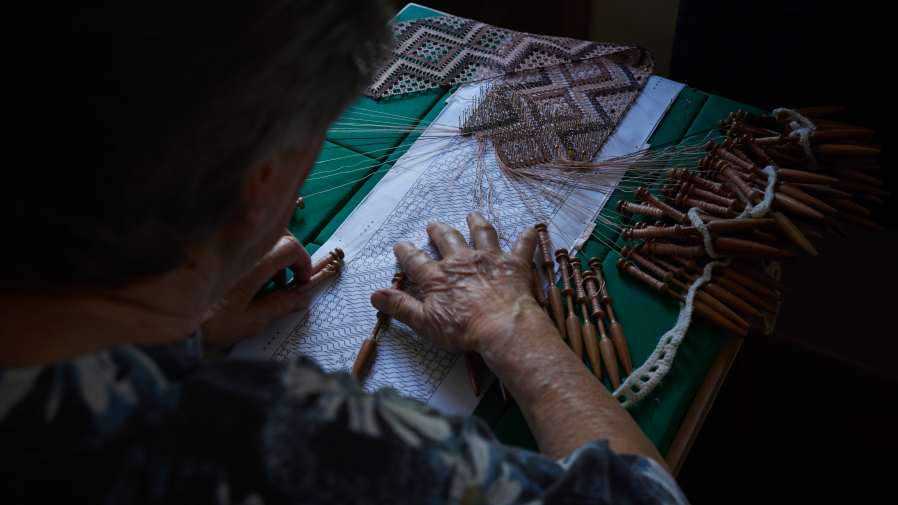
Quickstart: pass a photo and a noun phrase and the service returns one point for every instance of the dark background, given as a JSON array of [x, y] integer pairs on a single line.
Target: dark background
[[810, 412]]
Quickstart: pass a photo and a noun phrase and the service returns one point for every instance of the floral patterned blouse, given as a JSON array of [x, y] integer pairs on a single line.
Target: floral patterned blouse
[[136, 425]]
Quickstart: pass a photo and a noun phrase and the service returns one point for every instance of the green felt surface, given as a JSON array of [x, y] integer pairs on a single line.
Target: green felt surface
[[374, 128], [713, 110], [311, 247], [644, 316], [389, 118], [341, 214], [411, 12], [334, 179]]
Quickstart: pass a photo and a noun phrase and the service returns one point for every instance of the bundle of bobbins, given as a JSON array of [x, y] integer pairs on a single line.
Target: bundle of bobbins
[[326, 268], [817, 175], [589, 324]]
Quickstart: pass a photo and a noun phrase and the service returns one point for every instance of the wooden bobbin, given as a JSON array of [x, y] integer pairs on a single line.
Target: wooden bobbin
[[322, 275], [590, 342], [739, 186], [771, 140], [650, 232], [698, 181], [595, 264], [708, 196], [593, 296], [668, 249], [738, 304], [554, 294], [759, 154], [786, 157], [714, 289], [823, 190], [703, 295], [805, 198], [334, 257], [784, 223], [804, 176], [643, 262], [369, 345], [690, 271], [748, 282], [700, 307], [635, 272], [643, 194], [758, 273], [606, 345], [760, 121], [731, 245], [737, 145], [564, 267], [727, 155], [614, 325], [545, 246], [737, 225], [788, 204], [635, 208], [684, 202], [572, 324], [793, 233]]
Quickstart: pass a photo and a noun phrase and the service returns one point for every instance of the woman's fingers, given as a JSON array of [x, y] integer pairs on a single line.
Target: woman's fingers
[[482, 233], [413, 261], [287, 251], [525, 245], [447, 239], [401, 306]]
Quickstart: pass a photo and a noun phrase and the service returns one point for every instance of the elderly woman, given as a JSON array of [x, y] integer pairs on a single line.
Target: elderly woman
[[155, 153]]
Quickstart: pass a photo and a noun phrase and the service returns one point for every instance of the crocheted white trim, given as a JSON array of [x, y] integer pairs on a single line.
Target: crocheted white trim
[[646, 378], [702, 228], [763, 207], [802, 128]]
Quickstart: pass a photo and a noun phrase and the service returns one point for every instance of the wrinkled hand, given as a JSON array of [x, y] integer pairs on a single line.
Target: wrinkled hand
[[240, 314], [472, 298]]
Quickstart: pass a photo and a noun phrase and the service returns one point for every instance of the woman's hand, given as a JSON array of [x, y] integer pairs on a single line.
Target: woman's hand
[[241, 314], [472, 299]]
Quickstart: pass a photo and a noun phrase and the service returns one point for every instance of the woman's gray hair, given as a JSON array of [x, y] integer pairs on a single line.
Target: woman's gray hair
[[133, 125]]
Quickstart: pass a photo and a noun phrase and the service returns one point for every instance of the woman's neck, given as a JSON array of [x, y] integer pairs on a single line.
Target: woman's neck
[[38, 330]]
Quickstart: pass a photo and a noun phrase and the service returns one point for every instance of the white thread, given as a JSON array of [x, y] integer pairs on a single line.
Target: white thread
[[586, 235], [702, 228], [801, 127], [646, 378], [763, 207]]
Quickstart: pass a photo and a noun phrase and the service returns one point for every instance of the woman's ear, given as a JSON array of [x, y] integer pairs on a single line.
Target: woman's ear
[[260, 191]]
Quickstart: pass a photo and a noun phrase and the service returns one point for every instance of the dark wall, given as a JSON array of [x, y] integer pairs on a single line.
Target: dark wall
[[794, 53], [568, 18], [798, 52]]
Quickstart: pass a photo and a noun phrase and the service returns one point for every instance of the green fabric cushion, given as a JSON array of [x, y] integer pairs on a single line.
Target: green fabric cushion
[[335, 178], [311, 247], [378, 174], [411, 12], [644, 315], [382, 125], [714, 109]]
